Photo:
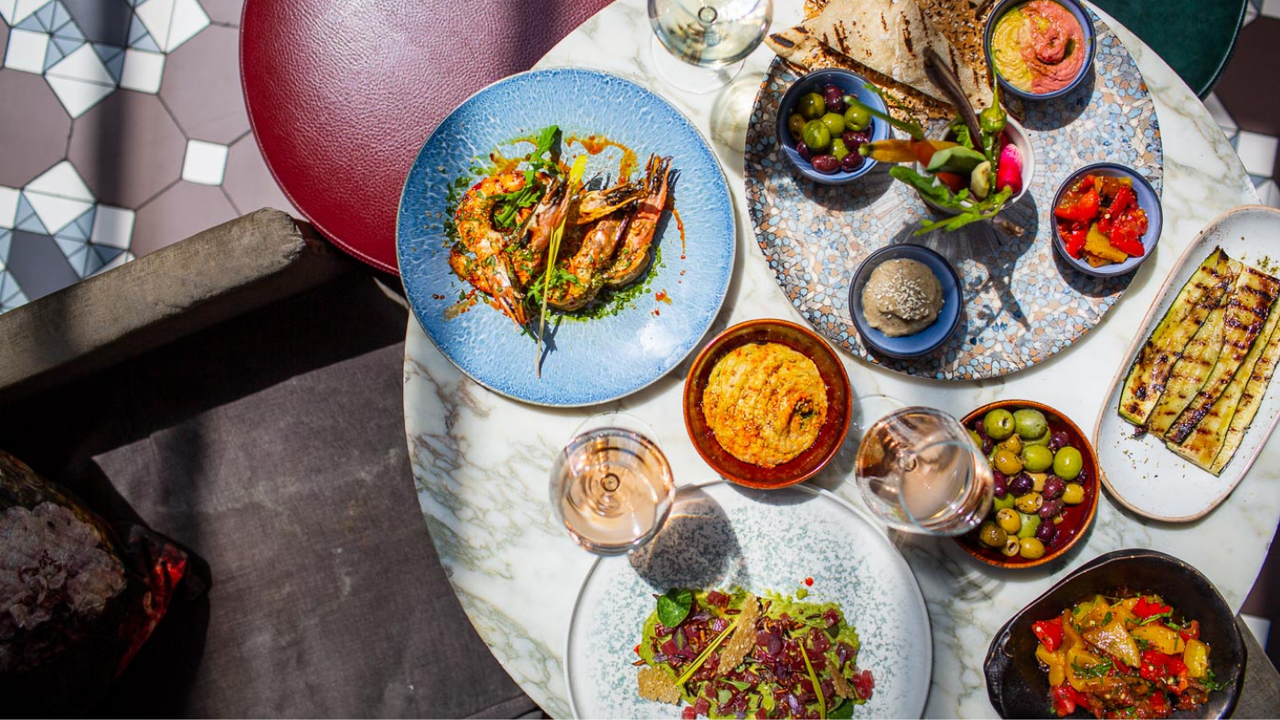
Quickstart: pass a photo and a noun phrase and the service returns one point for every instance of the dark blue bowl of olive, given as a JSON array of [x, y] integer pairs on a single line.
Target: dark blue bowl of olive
[[819, 133]]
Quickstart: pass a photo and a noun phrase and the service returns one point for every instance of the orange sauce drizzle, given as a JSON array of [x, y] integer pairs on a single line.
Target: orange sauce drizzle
[[679, 224], [596, 144]]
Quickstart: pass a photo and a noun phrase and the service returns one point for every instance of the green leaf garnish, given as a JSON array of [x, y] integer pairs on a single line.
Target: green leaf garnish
[[674, 606], [702, 657]]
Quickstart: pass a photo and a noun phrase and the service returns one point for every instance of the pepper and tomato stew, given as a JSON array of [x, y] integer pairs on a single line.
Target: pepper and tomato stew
[[1124, 657], [1100, 220]]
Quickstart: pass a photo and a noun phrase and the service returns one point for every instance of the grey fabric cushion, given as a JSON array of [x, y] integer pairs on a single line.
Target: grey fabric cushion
[[272, 446]]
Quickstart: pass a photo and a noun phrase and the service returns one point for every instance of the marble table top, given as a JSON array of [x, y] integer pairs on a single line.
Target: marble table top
[[481, 461]]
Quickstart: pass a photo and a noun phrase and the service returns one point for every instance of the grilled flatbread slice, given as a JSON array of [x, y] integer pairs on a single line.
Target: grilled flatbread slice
[[890, 38], [807, 53]]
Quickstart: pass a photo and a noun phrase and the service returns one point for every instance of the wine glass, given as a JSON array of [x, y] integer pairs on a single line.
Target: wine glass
[[704, 42], [611, 485], [920, 472]]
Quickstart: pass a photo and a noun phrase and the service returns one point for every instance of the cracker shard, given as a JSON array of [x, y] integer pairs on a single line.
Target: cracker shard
[[743, 638], [658, 685], [841, 685]]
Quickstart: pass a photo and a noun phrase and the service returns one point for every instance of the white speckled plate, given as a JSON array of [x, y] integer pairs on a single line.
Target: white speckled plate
[[1139, 472], [721, 535], [586, 362]]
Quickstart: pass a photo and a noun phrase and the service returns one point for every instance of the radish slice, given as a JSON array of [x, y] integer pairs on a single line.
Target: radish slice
[[1009, 170]]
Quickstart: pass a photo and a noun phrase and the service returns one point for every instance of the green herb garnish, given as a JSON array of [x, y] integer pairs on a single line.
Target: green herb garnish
[[509, 204], [674, 606], [1096, 670]]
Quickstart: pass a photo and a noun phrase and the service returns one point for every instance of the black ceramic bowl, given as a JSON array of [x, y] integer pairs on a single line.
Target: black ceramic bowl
[[927, 340], [1018, 688]]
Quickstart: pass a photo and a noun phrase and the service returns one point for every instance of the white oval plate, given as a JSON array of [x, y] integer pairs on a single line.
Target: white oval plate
[[721, 535], [1139, 472]]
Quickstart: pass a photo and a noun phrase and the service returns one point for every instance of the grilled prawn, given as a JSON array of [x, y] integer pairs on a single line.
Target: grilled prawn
[[480, 255], [635, 251]]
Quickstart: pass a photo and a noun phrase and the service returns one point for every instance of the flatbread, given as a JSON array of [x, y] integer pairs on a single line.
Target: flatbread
[[889, 37]]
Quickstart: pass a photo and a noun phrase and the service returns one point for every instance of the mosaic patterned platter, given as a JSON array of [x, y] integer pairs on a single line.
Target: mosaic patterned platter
[[722, 535], [1023, 304]]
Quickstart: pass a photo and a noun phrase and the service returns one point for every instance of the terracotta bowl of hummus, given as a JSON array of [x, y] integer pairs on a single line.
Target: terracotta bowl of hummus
[[1039, 49], [767, 404]]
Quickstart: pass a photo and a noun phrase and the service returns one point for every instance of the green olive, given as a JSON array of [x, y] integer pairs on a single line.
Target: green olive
[[1073, 494], [817, 136], [1067, 463], [1030, 522], [811, 106], [1009, 520], [795, 125], [856, 118], [973, 434], [992, 536], [1013, 444], [1031, 548], [1003, 501], [838, 148], [998, 424], [834, 123], [1008, 463], [1030, 423], [1029, 503], [1036, 458], [1043, 439], [1012, 546]]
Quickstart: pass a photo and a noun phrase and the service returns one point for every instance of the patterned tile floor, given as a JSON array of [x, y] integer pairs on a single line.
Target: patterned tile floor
[[122, 129]]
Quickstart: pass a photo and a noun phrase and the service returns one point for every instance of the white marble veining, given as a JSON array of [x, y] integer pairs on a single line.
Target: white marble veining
[[481, 461]]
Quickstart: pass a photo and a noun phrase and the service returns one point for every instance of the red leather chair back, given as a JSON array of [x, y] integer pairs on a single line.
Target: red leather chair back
[[342, 94]]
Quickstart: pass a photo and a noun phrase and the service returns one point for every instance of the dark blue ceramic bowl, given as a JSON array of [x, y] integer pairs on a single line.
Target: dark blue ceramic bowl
[[1018, 688], [1090, 42], [1148, 200], [851, 84], [927, 340]]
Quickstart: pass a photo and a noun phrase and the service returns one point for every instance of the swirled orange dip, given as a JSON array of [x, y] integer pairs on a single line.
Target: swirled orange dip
[[1038, 47], [765, 403]]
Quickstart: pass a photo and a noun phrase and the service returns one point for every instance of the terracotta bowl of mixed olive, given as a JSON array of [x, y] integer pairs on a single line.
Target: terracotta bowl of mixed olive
[[1046, 484]]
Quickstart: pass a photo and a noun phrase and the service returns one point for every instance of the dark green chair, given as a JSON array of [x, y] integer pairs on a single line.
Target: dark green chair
[[1196, 38]]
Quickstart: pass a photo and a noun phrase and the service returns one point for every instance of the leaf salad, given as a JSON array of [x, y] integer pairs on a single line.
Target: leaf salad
[[735, 655]]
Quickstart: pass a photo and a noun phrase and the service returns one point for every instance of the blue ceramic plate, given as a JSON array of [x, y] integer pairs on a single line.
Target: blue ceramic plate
[[720, 536], [851, 84], [927, 340], [1148, 200], [586, 361]]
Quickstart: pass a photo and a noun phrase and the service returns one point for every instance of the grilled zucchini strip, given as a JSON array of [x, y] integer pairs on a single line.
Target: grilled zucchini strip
[[1247, 311], [1249, 403], [1197, 298], [1209, 446], [1189, 373]]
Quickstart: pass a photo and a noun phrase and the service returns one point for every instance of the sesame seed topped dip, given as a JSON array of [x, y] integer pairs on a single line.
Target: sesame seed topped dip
[[902, 297]]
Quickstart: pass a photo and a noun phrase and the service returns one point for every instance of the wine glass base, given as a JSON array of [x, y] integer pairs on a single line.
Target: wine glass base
[[686, 76]]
